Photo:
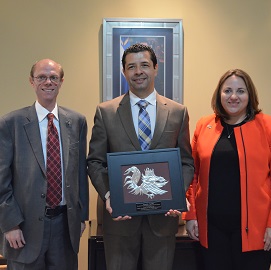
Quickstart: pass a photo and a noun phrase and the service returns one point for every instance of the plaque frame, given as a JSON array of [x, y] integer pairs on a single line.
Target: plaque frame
[[127, 196]]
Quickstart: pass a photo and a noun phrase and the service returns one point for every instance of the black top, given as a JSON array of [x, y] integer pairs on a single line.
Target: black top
[[224, 200]]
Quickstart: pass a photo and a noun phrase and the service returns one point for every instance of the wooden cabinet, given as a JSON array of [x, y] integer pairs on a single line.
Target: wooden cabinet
[[187, 252], [3, 263]]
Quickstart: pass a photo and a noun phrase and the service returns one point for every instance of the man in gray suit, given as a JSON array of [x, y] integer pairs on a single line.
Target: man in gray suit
[[116, 130], [34, 235]]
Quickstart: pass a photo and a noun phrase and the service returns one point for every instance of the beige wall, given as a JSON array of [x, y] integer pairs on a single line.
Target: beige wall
[[218, 35]]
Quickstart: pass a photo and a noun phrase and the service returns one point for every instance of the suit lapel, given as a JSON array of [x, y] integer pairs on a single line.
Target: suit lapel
[[65, 123], [161, 120], [33, 133], [126, 118]]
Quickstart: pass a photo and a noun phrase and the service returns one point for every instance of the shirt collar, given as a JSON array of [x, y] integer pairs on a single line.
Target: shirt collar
[[150, 98], [42, 112]]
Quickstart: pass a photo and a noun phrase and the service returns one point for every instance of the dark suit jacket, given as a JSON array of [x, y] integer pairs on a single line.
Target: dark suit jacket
[[114, 131], [23, 182]]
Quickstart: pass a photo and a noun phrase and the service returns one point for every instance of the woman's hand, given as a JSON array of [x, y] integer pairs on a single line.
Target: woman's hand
[[192, 229], [267, 239]]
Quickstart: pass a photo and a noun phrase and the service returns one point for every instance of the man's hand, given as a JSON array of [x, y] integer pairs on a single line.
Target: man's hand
[[109, 209], [173, 213], [15, 238]]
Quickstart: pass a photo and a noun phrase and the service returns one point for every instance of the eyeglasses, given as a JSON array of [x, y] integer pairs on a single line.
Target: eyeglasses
[[43, 78]]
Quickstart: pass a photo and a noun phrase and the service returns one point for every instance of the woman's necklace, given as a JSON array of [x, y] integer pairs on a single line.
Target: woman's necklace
[[230, 127], [229, 133]]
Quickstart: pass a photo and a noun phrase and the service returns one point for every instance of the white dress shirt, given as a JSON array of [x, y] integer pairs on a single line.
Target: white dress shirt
[[151, 109]]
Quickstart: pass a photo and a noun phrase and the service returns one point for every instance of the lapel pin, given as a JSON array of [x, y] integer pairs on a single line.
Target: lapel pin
[[68, 123]]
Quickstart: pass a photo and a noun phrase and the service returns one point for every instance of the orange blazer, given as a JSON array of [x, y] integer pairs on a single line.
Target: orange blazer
[[253, 141]]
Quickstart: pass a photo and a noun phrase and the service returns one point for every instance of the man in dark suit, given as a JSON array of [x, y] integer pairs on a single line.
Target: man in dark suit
[[33, 234], [115, 130]]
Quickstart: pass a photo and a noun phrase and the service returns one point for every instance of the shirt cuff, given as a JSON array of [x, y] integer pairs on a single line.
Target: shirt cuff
[[107, 195]]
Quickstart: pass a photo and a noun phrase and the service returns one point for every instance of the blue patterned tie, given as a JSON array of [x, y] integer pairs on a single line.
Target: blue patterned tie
[[144, 125]]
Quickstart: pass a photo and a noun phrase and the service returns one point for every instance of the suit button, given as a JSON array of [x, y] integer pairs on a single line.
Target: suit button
[[43, 196], [40, 218]]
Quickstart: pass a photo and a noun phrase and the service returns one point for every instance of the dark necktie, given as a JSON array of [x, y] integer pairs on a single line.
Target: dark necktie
[[53, 170], [144, 125]]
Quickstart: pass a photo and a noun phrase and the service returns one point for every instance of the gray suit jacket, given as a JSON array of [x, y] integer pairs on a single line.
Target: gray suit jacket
[[114, 131], [23, 182]]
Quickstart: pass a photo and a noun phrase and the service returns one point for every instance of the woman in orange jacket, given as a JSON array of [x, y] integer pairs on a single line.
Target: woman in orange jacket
[[230, 196]]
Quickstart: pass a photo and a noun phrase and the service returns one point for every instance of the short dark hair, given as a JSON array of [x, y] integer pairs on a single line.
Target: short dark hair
[[34, 67], [253, 102], [139, 47]]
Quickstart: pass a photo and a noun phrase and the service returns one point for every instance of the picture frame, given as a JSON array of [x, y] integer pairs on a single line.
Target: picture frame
[[165, 36], [146, 182]]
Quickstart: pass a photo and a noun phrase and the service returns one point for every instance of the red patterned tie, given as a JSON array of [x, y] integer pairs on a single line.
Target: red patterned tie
[[54, 177]]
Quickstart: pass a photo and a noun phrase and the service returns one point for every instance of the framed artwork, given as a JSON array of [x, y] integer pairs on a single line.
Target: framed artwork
[[146, 182], [165, 36]]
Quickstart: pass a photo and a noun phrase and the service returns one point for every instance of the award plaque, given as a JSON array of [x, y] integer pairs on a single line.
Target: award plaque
[[146, 182]]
